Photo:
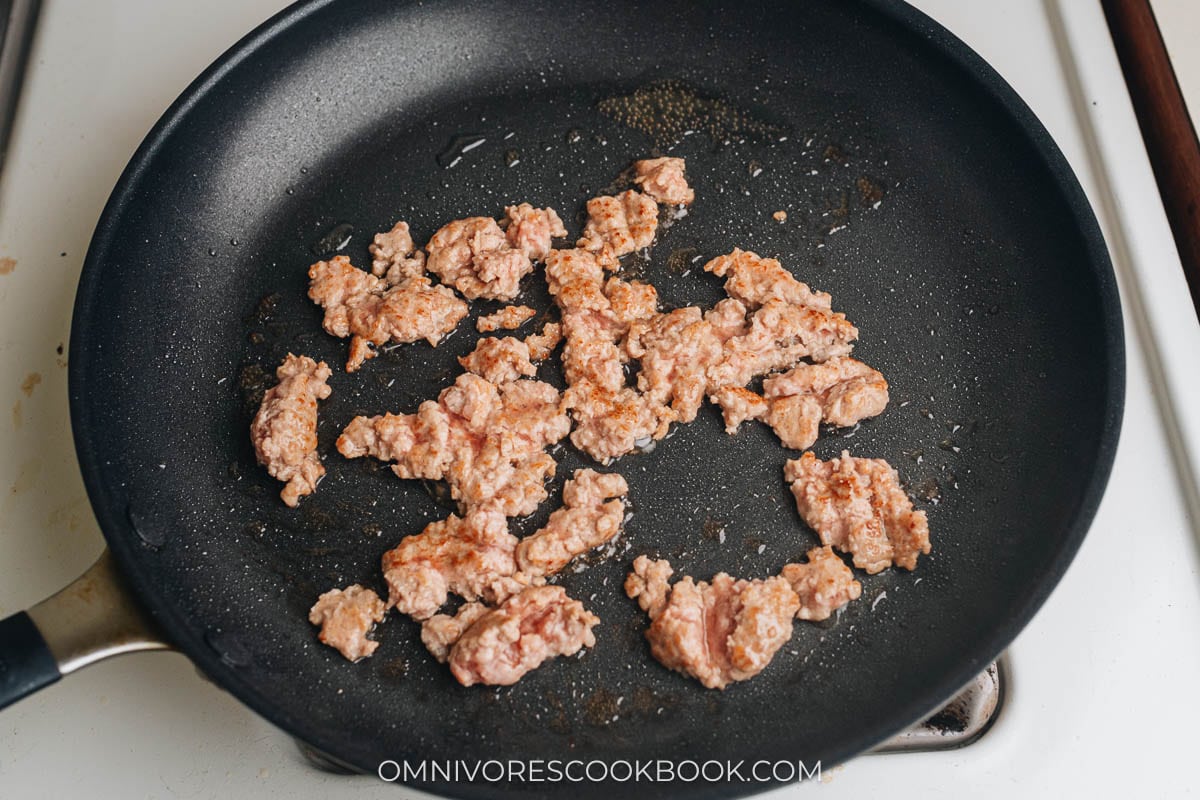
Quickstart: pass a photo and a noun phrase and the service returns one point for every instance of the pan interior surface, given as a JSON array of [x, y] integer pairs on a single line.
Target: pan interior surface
[[919, 192]]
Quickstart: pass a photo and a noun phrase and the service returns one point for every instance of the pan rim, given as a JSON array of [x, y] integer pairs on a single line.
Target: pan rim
[[996, 90]]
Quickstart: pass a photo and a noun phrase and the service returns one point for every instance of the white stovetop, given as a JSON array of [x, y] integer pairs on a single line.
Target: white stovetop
[[1104, 688]]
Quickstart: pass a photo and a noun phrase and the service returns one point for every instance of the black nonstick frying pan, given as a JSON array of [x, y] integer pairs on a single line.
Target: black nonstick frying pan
[[920, 192]]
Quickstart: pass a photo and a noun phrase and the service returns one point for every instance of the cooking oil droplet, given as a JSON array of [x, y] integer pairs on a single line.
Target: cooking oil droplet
[[212, 251], [573, 136], [234, 242], [512, 157], [458, 147], [755, 168], [332, 241]]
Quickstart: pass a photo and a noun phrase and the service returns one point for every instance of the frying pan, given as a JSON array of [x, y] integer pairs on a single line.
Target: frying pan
[[920, 192]]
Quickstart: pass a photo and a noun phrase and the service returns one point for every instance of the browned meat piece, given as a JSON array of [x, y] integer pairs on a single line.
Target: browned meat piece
[[463, 555], [754, 280], [824, 584], [531, 229], [394, 257], [662, 179], [362, 306], [346, 616], [441, 631], [857, 506], [508, 318], [284, 430], [619, 225], [474, 256], [779, 335], [718, 633], [675, 350], [542, 344], [738, 405], [499, 360], [485, 441], [590, 516], [845, 389], [532, 626]]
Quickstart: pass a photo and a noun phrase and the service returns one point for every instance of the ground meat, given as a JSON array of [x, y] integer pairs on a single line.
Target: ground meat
[[610, 424], [542, 344], [590, 516], [532, 626], [663, 179], [346, 616], [499, 360], [846, 390], [394, 257], [611, 419], [485, 441], [508, 318], [857, 506], [474, 256], [363, 307], [796, 420], [754, 280], [531, 229], [284, 431], [824, 584], [464, 555], [619, 225], [441, 631], [675, 350], [718, 633], [778, 335], [738, 405]]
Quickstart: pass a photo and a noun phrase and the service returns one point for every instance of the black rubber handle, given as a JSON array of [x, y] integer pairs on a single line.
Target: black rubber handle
[[26, 663]]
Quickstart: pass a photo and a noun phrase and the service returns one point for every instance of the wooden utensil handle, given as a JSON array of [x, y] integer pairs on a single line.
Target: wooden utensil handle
[[1166, 126]]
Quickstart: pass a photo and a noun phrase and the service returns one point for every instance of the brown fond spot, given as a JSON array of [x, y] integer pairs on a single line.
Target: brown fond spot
[[7, 265]]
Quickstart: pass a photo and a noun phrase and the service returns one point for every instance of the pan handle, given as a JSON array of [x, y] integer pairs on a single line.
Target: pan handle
[[93, 618]]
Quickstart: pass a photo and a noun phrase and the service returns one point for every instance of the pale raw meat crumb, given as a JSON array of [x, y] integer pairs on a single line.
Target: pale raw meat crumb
[[532, 626], [394, 257], [463, 555], [508, 318], [719, 632], [485, 441], [474, 256], [619, 225], [346, 616], [824, 584], [738, 405], [857, 506], [542, 343], [499, 360], [780, 216], [284, 431], [663, 179], [364, 307], [590, 516], [846, 390], [441, 631], [530, 229]]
